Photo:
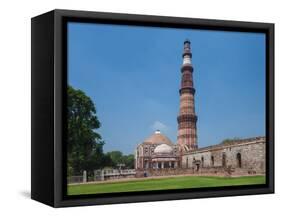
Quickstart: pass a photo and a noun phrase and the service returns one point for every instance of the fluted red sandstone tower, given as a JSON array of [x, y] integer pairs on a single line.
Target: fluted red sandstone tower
[[187, 119]]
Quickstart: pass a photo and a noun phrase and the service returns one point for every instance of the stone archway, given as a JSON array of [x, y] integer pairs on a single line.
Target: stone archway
[[212, 161], [223, 160], [239, 160]]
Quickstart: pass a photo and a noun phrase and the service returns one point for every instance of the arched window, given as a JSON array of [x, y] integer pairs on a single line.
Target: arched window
[[146, 164], [159, 165], [212, 161], [202, 161], [239, 160], [223, 159]]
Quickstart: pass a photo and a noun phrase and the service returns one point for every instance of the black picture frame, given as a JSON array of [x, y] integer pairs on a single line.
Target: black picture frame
[[49, 80]]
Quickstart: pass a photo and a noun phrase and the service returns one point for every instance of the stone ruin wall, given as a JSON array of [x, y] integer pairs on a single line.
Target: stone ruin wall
[[252, 157]]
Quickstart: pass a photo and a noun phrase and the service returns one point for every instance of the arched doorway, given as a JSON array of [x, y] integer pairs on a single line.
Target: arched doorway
[[146, 163], [239, 160], [159, 165], [212, 161], [223, 159]]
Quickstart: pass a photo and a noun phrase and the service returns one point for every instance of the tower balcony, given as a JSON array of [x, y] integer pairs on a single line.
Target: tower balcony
[[187, 52], [187, 117], [187, 90], [187, 67]]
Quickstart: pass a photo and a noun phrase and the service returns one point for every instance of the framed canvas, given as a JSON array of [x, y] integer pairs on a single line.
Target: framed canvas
[[133, 108]]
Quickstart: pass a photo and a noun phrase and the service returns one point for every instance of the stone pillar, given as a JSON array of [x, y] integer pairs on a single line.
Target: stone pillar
[[84, 176], [102, 175], [162, 164], [170, 164], [176, 164]]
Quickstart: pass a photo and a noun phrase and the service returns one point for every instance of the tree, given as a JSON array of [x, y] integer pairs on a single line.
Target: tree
[[129, 161], [235, 139], [84, 145], [118, 158]]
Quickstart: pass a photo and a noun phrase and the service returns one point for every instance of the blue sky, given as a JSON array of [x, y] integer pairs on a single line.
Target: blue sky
[[133, 76]]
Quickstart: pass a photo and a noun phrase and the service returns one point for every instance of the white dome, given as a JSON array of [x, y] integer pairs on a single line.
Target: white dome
[[163, 149]]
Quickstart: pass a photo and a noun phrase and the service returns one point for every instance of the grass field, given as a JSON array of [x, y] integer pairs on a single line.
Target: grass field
[[163, 183]]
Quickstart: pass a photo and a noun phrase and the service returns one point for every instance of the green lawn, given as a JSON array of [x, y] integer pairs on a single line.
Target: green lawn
[[164, 183]]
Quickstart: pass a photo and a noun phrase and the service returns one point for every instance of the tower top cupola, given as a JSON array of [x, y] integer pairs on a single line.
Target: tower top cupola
[[186, 50], [186, 41]]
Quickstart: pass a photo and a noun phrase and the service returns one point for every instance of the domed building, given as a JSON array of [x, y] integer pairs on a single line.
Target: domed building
[[156, 152]]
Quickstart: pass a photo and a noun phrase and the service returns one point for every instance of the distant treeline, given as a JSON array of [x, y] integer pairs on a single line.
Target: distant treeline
[[84, 144], [230, 140]]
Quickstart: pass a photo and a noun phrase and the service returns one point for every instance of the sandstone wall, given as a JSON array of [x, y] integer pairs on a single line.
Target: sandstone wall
[[252, 157]]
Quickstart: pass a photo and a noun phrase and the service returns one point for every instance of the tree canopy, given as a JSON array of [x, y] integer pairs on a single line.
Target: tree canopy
[[85, 145], [230, 140], [118, 158]]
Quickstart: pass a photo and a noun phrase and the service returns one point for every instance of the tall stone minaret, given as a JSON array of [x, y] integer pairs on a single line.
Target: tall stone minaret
[[187, 130]]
